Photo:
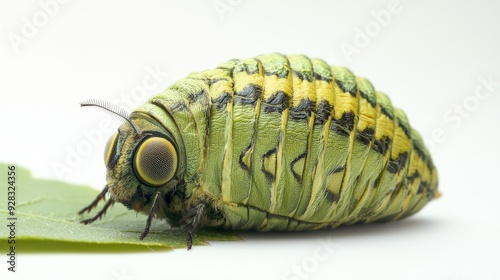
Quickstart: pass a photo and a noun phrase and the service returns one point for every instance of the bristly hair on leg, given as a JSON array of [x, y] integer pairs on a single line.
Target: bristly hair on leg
[[100, 213], [150, 216], [192, 219], [93, 204]]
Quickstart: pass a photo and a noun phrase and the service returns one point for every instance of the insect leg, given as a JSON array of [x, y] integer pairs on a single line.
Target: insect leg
[[192, 219], [95, 202], [150, 216], [100, 213]]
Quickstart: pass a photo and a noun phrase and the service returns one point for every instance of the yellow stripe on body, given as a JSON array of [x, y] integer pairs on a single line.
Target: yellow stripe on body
[[381, 148], [319, 204], [269, 127], [420, 199], [285, 190], [389, 180], [428, 176], [396, 199], [359, 165], [328, 147], [219, 92], [248, 82], [228, 155], [323, 95], [415, 167], [347, 186], [274, 85], [346, 110]]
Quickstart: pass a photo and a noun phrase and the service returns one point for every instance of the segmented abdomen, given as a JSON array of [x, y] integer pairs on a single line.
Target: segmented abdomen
[[289, 143]]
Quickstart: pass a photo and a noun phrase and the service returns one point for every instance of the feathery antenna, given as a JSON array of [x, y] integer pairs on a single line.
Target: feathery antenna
[[111, 108]]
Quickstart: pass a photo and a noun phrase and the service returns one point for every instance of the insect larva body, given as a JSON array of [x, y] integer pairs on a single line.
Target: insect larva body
[[271, 143]]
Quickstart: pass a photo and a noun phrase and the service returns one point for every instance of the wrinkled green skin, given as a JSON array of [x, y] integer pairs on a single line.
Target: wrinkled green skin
[[225, 178]]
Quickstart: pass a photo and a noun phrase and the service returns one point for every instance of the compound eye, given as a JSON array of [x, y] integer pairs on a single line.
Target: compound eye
[[155, 161], [110, 150]]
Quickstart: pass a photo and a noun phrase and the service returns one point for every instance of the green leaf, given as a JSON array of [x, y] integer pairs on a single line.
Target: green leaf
[[47, 221]]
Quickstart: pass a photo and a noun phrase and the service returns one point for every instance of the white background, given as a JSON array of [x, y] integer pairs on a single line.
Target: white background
[[429, 57]]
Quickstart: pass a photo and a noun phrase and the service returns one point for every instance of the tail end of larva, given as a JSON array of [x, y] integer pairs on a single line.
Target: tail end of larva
[[437, 195]]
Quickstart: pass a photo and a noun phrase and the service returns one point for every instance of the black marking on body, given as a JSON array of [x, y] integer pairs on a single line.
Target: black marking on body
[[397, 164], [248, 95], [243, 165], [430, 193], [424, 185], [198, 97], [208, 114], [422, 155], [303, 75], [225, 68], [336, 170], [418, 150], [297, 176], [302, 111], [366, 136], [235, 67], [322, 78], [412, 177], [243, 67], [282, 74], [269, 176], [331, 196], [251, 72], [277, 102], [221, 101], [382, 145], [386, 112], [179, 107], [214, 81], [345, 124], [343, 87], [430, 165], [405, 129], [368, 98], [323, 112]]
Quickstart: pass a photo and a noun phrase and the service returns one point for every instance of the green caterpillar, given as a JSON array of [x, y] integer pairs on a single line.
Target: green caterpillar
[[276, 142]]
